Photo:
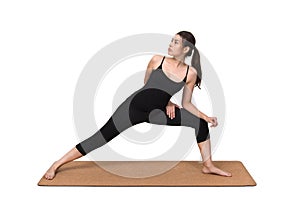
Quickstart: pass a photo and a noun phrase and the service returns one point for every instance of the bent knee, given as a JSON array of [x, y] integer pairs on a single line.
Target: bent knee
[[203, 131]]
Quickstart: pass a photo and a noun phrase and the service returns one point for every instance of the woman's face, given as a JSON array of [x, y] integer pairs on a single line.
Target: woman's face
[[176, 48]]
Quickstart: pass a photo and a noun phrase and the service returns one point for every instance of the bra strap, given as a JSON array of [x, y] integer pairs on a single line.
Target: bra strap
[[160, 66], [188, 67]]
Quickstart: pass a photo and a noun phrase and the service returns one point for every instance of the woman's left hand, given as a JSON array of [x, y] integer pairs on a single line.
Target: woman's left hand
[[213, 121]]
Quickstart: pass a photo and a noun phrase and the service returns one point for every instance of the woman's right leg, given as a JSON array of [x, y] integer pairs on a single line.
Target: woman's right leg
[[125, 116]]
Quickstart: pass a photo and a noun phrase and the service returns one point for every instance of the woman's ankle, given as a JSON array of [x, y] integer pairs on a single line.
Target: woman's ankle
[[208, 163]]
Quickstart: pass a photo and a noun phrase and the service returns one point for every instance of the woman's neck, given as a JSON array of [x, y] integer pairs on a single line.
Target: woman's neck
[[178, 61]]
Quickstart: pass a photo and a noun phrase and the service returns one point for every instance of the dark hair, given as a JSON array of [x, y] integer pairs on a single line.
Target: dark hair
[[190, 41]]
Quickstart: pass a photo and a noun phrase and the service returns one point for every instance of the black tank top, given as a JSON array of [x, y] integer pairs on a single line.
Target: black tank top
[[158, 79], [158, 90]]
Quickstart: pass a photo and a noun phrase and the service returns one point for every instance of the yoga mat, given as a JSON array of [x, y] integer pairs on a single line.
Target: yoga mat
[[184, 173]]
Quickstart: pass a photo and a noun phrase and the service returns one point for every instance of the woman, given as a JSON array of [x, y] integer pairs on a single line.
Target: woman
[[164, 77]]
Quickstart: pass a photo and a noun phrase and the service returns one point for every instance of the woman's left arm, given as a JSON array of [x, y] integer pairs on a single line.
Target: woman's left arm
[[187, 97]]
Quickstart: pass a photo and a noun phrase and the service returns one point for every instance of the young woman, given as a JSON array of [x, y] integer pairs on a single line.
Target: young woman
[[163, 78]]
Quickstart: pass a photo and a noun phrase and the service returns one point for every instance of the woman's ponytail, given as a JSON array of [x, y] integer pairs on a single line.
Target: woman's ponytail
[[197, 65]]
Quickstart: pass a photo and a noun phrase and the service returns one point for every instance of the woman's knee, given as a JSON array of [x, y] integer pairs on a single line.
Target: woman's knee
[[202, 134]]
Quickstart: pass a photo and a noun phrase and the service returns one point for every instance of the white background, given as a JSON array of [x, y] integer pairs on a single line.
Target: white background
[[253, 46]]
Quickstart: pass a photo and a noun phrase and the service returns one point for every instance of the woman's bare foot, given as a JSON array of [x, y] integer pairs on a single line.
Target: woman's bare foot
[[211, 169], [73, 154], [50, 173]]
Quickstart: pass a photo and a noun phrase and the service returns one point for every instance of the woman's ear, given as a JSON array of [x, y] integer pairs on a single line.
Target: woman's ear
[[186, 49]]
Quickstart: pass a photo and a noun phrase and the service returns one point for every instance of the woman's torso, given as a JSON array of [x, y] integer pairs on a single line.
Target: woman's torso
[[158, 90]]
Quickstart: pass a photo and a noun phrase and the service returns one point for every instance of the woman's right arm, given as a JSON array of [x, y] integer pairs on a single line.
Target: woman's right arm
[[153, 64]]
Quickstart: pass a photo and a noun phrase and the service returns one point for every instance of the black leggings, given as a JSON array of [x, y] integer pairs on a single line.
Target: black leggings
[[128, 115]]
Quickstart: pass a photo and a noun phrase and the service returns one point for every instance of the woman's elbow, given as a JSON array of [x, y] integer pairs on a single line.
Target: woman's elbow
[[185, 105]]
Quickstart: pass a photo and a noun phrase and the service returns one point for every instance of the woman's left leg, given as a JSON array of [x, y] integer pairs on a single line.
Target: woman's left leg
[[208, 166], [185, 118]]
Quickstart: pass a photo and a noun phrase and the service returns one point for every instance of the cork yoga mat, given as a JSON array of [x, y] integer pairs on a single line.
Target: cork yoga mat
[[147, 173]]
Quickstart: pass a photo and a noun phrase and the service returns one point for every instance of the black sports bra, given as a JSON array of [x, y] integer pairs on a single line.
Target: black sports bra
[[184, 80]]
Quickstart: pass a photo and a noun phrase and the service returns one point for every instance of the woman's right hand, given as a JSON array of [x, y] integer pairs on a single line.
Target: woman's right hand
[[170, 109]]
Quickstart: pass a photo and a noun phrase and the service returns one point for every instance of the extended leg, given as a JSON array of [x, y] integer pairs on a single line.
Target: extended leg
[[118, 122], [101, 137]]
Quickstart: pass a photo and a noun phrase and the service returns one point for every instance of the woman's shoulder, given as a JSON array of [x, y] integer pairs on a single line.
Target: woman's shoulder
[[192, 70], [155, 61], [157, 58], [192, 74]]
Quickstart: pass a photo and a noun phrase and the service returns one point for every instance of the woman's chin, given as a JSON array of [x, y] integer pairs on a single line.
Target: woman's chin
[[170, 54]]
